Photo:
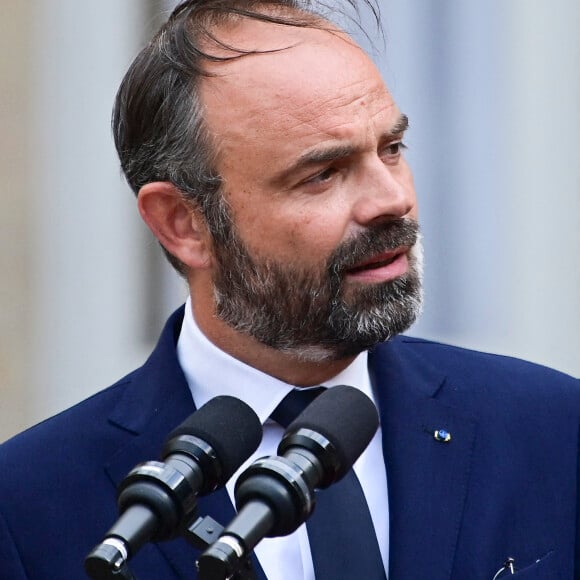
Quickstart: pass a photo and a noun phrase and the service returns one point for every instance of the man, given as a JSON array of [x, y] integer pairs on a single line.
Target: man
[[266, 153]]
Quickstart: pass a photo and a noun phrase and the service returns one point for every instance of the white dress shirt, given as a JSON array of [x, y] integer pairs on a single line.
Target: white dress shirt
[[211, 372]]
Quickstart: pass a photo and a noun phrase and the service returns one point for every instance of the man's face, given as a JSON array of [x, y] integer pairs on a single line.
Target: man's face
[[323, 258]]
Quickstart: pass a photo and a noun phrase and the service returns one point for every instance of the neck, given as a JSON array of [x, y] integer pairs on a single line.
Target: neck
[[287, 367]]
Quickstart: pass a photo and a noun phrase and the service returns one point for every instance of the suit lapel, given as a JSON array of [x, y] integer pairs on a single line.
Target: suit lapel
[[427, 478], [155, 400]]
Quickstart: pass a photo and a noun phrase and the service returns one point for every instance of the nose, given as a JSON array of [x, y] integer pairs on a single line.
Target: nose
[[384, 192]]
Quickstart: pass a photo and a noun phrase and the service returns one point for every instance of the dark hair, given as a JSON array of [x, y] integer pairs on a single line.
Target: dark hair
[[158, 122]]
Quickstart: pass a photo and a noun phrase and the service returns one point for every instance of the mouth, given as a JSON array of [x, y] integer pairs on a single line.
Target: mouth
[[381, 267]]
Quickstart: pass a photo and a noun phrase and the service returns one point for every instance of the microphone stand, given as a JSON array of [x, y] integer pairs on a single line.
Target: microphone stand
[[202, 533], [108, 561]]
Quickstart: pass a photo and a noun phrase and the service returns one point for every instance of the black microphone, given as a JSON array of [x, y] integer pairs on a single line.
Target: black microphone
[[157, 500], [275, 495]]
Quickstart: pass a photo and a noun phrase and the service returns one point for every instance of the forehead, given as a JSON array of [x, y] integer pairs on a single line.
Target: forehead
[[312, 85]]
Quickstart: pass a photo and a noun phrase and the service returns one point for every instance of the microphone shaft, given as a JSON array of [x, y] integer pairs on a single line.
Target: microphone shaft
[[135, 527], [253, 522]]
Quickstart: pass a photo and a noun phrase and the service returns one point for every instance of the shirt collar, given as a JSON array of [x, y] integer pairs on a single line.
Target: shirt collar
[[211, 372]]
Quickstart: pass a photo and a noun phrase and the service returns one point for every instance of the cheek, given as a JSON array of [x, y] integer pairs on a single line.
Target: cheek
[[301, 240], [305, 231], [312, 238]]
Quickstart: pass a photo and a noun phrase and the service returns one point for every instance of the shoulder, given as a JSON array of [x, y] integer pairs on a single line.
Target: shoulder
[[483, 377], [56, 470], [458, 360], [55, 442]]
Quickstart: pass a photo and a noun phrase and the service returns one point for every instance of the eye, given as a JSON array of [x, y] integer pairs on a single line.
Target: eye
[[321, 181], [322, 176], [393, 150]]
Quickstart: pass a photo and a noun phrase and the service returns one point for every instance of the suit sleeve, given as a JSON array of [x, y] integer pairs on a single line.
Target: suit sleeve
[[11, 567]]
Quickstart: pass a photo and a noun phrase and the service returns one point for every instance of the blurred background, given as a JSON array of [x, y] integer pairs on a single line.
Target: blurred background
[[493, 93]]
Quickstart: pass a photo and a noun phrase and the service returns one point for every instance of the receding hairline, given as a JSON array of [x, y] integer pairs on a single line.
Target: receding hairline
[[210, 32]]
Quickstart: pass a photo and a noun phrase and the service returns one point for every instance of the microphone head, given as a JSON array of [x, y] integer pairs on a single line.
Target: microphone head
[[343, 415], [229, 426]]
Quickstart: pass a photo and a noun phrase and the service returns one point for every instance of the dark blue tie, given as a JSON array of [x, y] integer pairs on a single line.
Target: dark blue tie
[[340, 530]]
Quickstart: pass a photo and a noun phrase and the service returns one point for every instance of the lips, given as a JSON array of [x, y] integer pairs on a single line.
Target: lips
[[381, 268], [377, 254], [376, 262]]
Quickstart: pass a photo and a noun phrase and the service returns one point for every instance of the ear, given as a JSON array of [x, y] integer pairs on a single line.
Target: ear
[[180, 229]]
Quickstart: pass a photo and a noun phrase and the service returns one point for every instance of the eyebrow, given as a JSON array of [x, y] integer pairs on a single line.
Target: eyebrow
[[338, 152], [400, 126]]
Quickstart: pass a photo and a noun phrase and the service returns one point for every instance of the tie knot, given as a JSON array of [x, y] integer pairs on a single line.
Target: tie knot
[[293, 404]]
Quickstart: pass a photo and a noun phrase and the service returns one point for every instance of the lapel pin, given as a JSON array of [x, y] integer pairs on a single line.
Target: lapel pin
[[508, 566], [442, 435]]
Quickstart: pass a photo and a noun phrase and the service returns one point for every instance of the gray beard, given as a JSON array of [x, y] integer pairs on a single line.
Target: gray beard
[[308, 313]]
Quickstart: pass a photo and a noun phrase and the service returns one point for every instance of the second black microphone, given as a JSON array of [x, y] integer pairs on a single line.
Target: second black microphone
[[275, 495]]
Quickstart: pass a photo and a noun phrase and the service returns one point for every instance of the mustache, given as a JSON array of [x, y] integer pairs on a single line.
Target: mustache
[[375, 239]]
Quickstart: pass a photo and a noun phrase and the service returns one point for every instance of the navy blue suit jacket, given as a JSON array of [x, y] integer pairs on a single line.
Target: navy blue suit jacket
[[507, 484]]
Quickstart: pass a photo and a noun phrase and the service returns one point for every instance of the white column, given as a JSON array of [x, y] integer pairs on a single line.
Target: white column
[[543, 55]]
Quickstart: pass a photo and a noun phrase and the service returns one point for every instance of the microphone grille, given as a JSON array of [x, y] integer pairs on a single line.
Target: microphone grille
[[229, 426], [346, 417]]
